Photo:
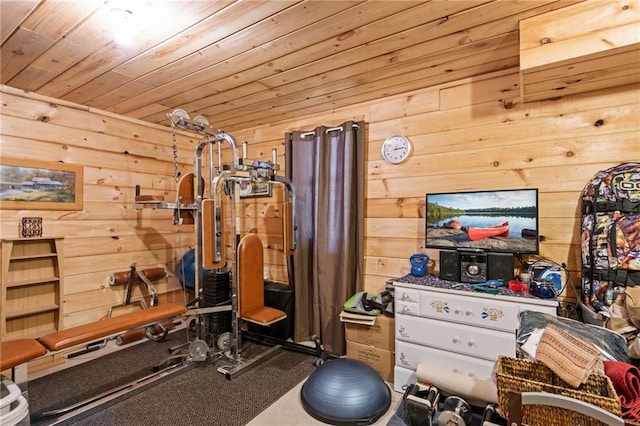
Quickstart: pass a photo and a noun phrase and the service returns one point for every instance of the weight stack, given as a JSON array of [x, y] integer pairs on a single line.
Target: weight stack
[[279, 296], [216, 291]]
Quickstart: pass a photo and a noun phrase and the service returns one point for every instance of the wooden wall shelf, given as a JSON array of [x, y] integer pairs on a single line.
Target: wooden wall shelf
[[32, 311], [32, 281], [32, 287], [587, 46]]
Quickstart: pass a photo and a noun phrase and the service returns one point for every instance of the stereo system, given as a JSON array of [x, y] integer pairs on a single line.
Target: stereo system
[[449, 265], [500, 266], [475, 267]]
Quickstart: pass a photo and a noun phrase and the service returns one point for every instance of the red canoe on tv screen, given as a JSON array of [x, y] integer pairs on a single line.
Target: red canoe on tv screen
[[501, 230]]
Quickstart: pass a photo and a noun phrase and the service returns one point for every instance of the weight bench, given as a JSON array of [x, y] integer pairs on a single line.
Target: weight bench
[[15, 354], [86, 333], [18, 352], [251, 284], [251, 305]]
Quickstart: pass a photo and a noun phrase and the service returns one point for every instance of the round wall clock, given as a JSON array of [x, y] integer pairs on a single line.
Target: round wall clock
[[396, 149]]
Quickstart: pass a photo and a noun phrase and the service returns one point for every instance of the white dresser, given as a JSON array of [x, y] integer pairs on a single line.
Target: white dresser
[[455, 330]]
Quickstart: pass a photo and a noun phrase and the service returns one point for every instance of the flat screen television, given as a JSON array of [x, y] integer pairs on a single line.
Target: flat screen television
[[503, 221]]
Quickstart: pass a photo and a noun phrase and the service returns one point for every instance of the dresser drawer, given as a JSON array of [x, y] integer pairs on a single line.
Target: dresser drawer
[[409, 295], [407, 301], [474, 341], [475, 311], [409, 355], [407, 308]]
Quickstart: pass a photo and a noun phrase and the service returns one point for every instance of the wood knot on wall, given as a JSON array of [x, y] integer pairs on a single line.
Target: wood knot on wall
[[345, 35]]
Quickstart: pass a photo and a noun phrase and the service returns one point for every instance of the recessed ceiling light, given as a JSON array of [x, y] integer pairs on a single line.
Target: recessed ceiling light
[[123, 25]]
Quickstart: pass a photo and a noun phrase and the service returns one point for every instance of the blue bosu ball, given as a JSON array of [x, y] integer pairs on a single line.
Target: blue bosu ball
[[345, 391]]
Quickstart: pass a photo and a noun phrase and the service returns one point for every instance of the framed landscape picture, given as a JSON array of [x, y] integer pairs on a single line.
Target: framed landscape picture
[[40, 185]]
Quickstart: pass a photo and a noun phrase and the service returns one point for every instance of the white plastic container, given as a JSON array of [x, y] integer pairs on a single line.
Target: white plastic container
[[14, 408]]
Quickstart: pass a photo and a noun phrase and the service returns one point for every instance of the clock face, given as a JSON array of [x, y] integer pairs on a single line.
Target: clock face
[[396, 149]]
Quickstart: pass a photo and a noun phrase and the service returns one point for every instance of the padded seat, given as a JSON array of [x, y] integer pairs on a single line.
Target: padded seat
[[251, 284], [85, 333], [16, 352]]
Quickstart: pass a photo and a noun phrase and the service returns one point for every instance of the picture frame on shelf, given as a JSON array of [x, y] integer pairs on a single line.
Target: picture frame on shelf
[[40, 185]]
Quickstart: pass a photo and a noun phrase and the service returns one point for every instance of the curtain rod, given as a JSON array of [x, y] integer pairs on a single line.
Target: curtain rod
[[331, 129]]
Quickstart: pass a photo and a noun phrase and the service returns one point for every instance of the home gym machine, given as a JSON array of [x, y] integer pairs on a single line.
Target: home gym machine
[[229, 290]]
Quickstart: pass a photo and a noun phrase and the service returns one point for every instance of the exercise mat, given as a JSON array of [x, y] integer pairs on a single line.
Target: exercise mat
[[102, 373], [200, 395]]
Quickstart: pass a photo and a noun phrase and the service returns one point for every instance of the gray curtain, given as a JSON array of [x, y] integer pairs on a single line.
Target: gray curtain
[[326, 166]]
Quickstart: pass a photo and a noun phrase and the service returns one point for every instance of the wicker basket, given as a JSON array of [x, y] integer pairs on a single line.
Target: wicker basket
[[521, 375]]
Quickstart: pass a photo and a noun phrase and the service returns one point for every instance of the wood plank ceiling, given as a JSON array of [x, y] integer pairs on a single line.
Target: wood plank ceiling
[[247, 63]]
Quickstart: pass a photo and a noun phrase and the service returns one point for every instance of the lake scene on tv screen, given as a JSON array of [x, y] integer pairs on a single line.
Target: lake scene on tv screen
[[502, 221]]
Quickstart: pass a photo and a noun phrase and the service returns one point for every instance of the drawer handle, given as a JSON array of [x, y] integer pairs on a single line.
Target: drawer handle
[[405, 297], [471, 343], [468, 312], [457, 311], [405, 309], [455, 340]]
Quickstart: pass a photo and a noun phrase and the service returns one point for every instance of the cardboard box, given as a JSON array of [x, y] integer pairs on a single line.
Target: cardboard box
[[381, 334], [381, 360]]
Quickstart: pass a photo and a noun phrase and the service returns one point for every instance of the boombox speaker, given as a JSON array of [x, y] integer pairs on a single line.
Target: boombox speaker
[[500, 266], [449, 265], [473, 268]]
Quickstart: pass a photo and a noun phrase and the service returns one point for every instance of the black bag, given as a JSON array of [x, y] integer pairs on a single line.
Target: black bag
[[610, 234]]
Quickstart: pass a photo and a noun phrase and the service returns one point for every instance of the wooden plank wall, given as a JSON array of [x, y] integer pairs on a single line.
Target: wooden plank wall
[[473, 134], [108, 235], [476, 134]]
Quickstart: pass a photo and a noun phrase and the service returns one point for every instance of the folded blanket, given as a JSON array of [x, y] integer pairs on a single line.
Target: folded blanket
[[626, 381], [569, 357]]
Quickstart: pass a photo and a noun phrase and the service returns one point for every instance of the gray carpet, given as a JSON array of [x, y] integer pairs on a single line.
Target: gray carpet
[[200, 395]]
